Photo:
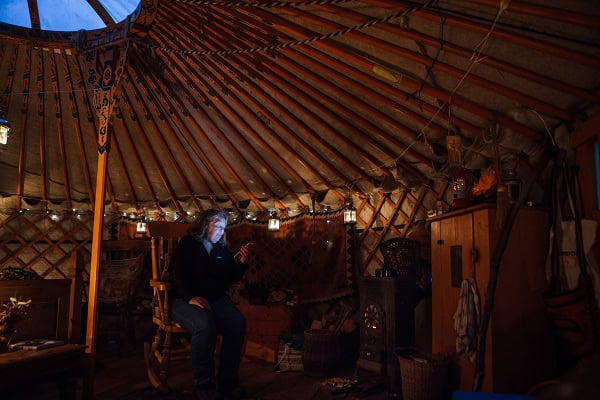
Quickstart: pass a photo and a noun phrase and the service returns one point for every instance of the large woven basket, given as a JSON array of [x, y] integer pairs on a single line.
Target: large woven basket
[[320, 352], [423, 376]]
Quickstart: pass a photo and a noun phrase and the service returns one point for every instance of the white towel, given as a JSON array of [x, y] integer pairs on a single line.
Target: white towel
[[466, 319]]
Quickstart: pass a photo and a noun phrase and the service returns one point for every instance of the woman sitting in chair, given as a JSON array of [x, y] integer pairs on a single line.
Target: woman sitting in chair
[[203, 268]]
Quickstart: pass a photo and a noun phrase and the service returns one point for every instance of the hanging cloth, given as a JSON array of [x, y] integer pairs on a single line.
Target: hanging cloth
[[467, 319]]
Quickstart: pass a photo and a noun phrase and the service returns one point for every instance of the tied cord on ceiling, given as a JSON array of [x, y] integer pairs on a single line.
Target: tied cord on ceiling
[[270, 4], [475, 58], [294, 42]]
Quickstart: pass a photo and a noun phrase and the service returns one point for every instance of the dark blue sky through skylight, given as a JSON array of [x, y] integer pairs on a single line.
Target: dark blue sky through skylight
[[65, 15]]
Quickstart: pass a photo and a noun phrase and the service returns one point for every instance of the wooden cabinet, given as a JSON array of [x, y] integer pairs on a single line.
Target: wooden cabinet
[[520, 348]]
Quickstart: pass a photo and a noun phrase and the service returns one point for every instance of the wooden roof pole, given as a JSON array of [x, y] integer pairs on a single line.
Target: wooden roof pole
[[102, 13], [164, 96], [185, 65], [144, 139], [309, 67], [42, 130], [515, 38], [247, 100], [199, 152], [158, 89], [274, 136], [324, 49], [121, 161], [243, 100], [165, 102], [61, 133], [488, 60], [107, 66], [556, 14], [295, 97], [34, 14], [340, 50], [236, 121], [78, 132], [124, 103], [428, 62], [259, 139], [313, 118], [229, 144], [24, 121]]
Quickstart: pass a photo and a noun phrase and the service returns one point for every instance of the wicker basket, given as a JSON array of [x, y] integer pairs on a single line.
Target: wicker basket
[[423, 376], [320, 352]]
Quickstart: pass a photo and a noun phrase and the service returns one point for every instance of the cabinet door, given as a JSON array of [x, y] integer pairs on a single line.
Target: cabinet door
[[451, 248]]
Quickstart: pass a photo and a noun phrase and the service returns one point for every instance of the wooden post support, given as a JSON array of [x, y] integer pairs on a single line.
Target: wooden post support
[[105, 67]]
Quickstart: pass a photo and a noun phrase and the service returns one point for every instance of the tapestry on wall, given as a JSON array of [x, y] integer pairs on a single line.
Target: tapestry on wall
[[307, 255]]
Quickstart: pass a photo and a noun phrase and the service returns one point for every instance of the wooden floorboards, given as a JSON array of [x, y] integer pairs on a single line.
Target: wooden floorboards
[[123, 377]]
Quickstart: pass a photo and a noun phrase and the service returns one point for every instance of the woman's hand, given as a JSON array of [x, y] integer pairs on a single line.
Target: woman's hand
[[200, 302], [242, 255]]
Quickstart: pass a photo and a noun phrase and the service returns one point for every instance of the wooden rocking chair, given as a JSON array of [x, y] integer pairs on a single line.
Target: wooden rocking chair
[[170, 340]]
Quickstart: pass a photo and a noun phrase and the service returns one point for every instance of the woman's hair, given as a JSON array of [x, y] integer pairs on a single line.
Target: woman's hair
[[200, 229]]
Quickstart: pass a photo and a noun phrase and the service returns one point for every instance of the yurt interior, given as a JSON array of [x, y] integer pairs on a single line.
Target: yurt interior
[[299, 199]]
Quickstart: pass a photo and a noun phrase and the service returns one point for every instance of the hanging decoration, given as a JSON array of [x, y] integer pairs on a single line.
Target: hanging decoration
[[105, 67], [453, 143]]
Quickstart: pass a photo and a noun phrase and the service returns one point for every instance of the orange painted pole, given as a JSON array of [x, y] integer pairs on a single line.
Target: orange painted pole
[[108, 66], [97, 231]]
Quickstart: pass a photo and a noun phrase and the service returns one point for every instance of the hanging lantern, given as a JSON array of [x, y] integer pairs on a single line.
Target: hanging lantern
[[4, 128], [273, 224], [142, 226], [513, 186], [349, 213]]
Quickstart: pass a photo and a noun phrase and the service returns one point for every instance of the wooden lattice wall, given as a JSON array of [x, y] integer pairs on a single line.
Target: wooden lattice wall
[[383, 216], [41, 242]]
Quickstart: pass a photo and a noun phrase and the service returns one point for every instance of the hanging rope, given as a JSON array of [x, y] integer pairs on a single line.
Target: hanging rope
[[292, 43], [270, 4]]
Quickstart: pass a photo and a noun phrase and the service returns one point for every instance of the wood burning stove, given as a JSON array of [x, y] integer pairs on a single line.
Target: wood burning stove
[[387, 318]]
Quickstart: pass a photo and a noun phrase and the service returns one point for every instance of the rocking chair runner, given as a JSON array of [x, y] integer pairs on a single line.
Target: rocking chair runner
[[164, 348]]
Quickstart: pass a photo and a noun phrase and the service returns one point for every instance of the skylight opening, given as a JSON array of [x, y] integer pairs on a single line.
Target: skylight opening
[[68, 15], [65, 15]]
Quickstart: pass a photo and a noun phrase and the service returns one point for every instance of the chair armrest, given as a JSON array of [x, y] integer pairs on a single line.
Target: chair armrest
[[160, 285]]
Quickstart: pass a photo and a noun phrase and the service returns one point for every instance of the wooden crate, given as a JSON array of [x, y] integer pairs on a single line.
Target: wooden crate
[[264, 324]]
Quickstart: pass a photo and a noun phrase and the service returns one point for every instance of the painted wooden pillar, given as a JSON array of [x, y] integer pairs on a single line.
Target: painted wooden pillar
[[104, 69]]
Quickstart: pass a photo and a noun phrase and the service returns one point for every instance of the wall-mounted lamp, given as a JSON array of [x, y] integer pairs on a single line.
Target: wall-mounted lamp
[[4, 128], [349, 213], [273, 224]]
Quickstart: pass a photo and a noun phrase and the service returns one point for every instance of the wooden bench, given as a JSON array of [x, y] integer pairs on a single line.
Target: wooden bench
[[54, 313]]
